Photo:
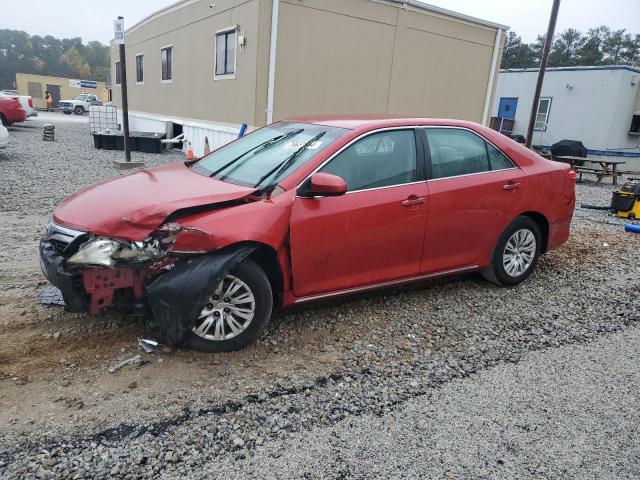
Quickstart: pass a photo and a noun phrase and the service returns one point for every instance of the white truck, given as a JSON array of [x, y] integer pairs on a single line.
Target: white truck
[[79, 105]]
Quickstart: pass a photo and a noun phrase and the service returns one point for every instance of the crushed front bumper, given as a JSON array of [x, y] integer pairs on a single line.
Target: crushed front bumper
[[69, 283]]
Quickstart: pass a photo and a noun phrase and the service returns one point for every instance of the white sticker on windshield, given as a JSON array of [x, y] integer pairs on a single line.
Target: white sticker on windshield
[[297, 145]]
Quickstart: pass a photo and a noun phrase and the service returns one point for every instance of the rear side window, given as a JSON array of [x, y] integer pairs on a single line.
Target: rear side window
[[497, 159], [456, 152], [379, 160]]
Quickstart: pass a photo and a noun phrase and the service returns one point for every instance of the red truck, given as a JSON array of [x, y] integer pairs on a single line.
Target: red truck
[[11, 111]]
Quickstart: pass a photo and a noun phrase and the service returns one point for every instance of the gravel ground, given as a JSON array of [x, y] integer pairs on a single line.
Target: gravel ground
[[37, 175], [362, 361], [540, 418]]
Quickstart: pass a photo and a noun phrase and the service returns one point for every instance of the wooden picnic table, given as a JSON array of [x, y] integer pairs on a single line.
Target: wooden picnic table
[[607, 168]]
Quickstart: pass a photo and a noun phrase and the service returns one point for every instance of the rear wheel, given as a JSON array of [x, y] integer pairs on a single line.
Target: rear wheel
[[516, 253], [236, 312], [79, 110], [4, 121]]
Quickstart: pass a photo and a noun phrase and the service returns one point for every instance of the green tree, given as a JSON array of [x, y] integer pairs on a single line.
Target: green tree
[[613, 47], [590, 53], [515, 53], [565, 48], [72, 61], [631, 54], [21, 53]]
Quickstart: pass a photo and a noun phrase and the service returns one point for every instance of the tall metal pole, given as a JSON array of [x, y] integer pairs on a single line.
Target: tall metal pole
[[125, 102], [543, 65]]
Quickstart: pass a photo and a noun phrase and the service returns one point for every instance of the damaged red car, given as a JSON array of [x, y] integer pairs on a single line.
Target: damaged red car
[[302, 210]]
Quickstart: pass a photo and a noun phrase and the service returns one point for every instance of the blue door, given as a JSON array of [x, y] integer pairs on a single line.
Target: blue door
[[507, 108]]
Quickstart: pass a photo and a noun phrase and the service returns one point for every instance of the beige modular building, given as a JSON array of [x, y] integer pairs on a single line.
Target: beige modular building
[[203, 68], [60, 88]]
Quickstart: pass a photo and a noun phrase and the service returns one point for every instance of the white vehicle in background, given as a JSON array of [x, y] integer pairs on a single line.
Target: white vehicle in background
[[26, 102], [80, 103], [4, 137]]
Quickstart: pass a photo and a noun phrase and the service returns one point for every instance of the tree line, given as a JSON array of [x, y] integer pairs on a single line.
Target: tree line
[[69, 57], [599, 46]]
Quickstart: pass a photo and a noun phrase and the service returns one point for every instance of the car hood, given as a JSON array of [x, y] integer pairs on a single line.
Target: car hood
[[130, 207]]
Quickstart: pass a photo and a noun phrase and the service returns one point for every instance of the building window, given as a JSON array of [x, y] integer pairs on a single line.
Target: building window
[[139, 68], [118, 73], [635, 124], [166, 55], [226, 53], [542, 116]]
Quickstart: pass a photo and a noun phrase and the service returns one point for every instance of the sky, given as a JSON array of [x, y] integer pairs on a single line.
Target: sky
[[528, 18]]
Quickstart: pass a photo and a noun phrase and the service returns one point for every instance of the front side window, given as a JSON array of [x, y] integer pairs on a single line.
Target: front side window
[[542, 115], [139, 68], [379, 160], [166, 57], [456, 152], [118, 73], [226, 53], [268, 155]]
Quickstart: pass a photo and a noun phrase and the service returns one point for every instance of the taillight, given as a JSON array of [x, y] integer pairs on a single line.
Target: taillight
[[31, 102], [569, 188]]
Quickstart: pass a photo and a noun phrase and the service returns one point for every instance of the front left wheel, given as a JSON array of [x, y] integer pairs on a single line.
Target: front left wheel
[[79, 110], [236, 312]]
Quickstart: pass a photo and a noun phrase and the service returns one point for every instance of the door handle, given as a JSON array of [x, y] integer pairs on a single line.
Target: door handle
[[511, 186], [413, 200]]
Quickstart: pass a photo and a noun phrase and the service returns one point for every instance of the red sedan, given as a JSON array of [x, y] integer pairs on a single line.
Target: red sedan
[[11, 111], [301, 210]]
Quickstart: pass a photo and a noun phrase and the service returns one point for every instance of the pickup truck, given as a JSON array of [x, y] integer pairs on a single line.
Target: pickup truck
[[79, 105]]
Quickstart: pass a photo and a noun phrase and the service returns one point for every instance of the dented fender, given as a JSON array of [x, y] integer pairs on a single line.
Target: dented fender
[[177, 297]]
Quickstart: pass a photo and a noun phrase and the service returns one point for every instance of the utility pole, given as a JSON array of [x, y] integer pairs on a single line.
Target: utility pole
[[119, 39], [543, 65]]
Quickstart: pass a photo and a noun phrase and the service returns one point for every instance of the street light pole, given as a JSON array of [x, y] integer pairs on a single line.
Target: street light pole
[[543, 65]]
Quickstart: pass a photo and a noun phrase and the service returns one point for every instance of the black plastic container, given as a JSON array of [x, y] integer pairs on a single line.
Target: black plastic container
[[147, 142]]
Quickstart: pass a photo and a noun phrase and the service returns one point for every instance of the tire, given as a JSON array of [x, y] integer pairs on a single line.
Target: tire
[[519, 233], [4, 121], [79, 110], [253, 278]]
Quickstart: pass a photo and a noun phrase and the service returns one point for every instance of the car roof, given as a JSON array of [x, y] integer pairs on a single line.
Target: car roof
[[352, 122]]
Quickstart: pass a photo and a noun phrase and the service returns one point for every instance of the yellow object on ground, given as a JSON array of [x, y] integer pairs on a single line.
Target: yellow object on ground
[[626, 201]]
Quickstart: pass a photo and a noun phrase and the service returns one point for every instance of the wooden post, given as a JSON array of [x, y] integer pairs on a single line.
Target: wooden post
[[125, 103], [543, 65], [125, 106]]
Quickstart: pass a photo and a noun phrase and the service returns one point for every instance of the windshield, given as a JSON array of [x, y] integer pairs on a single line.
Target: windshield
[[82, 98], [267, 155]]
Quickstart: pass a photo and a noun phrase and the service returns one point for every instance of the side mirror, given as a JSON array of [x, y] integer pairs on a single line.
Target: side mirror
[[323, 185]]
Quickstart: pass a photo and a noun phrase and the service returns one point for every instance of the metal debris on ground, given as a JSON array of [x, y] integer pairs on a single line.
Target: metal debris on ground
[[149, 346], [133, 359], [51, 295]]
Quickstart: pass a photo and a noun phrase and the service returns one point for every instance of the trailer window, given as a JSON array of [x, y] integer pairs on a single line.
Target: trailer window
[[226, 52]]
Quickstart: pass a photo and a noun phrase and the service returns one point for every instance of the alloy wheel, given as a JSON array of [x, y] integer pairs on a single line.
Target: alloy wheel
[[228, 312], [519, 252]]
